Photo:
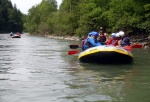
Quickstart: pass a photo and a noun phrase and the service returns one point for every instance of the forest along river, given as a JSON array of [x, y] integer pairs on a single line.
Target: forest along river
[[38, 69]]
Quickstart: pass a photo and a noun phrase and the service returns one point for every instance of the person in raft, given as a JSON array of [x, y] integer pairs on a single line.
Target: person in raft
[[85, 39], [91, 41], [11, 34], [125, 40], [18, 34], [113, 40], [118, 39], [102, 37]]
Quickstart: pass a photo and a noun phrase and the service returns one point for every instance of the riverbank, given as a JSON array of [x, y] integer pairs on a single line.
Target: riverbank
[[136, 39], [141, 39], [144, 40], [64, 37]]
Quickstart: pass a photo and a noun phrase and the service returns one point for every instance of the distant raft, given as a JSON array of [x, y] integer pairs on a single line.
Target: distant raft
[[106, 54], [16, 36]]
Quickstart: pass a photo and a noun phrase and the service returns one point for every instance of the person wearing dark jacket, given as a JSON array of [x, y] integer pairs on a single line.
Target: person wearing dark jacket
[[11, 34], [125, 40], [102, 37]]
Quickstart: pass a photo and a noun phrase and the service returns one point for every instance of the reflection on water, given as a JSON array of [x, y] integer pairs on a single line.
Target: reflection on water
[[38, 69], [105, 83]]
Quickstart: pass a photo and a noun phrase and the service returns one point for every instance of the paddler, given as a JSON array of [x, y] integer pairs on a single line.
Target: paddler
[[102, 38], [11, 34], [125, 40], [113, 40], [85, 40], [92, 41]]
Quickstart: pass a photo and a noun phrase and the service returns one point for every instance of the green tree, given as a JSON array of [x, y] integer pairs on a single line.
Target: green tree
[[68, 16], [39, 17], [78, 17], [10, 17]]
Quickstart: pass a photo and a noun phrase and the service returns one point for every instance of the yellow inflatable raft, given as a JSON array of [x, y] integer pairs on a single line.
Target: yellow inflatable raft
[[106, 54]]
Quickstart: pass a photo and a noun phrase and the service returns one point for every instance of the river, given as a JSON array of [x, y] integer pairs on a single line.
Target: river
[[38, 69]]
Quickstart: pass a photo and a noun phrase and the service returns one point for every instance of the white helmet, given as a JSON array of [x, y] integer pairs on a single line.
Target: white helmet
[[118, 35], [121, 33]]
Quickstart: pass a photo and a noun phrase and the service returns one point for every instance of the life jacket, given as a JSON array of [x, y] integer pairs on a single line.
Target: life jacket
[[125, 41], [91, 42], [112, 42], [102, 38], [11, 34], [109, 41], [87, 44], [115, 42], [18, 34]]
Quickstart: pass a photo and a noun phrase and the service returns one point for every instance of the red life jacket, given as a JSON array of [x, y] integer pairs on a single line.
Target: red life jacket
[[109, 41], [112, 42]]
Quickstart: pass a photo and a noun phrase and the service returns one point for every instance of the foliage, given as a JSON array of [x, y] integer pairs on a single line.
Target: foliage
[[146, 23], [39, 18], [115, 15], [78, 17], [10, 17]]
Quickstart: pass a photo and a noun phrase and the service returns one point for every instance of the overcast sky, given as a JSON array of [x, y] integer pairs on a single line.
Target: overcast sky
[[25, 5]]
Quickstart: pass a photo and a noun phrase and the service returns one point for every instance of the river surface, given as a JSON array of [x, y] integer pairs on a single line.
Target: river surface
[[38, 69]]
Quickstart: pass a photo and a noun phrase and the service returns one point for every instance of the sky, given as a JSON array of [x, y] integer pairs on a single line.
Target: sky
[[25, 5]]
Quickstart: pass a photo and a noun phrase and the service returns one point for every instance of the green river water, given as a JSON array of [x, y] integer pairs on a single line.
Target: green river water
[[38, 69]]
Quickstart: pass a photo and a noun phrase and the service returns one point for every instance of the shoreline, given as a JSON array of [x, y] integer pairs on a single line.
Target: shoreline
[[63, 37], [57, 37], [145, 41]]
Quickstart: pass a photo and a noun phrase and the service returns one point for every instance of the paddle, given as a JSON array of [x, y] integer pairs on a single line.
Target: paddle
[[72, 52], [74, 46], [128, 48], [137, 46]]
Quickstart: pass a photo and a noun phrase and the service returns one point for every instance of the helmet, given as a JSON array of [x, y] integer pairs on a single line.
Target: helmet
[[113, 34], [94, 33], [121, 33], [117, 35], [101, 28], [90, 33]]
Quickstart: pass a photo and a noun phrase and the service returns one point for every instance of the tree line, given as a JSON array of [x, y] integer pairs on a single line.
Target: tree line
[[78, 17], [10, 17]]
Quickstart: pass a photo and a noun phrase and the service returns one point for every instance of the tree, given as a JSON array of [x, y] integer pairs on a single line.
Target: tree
[[10, 17], [38, 19], [78, 17]]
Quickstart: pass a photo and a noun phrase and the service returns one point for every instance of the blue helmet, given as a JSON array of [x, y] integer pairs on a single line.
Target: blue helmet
[[90, 33], [113, 34], [94, 33]]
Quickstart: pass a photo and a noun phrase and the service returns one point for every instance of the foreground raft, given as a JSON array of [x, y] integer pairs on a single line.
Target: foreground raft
[[106, 54]]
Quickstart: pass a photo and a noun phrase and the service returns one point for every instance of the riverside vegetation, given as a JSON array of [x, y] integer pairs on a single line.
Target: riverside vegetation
[[78, 17]]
